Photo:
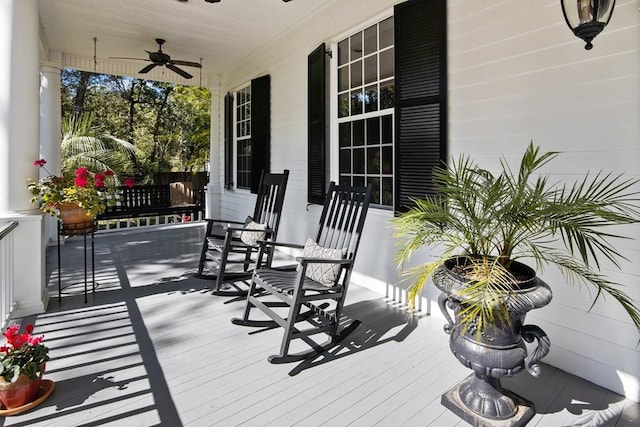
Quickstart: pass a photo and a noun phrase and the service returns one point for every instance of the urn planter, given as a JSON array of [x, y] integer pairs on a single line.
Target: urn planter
[[495, 352]]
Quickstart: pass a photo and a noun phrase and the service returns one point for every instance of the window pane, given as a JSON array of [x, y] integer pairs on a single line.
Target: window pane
[[371, 98], [344, 129], [345, 180], [343, 52], [358, 133], [358, 180], [356, 74], [387, 130], [373, 131], [375, 194], [356, 46], [356, 102], [343, 105], [386, 64], [387, 160], [373, 160], [345, 161], [371, 39], [358, 160], [387, 191], [387, 94], [371, 69], [386, 32], [343, 79]]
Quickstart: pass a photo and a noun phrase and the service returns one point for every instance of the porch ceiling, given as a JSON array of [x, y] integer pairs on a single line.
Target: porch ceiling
[[219, 33]]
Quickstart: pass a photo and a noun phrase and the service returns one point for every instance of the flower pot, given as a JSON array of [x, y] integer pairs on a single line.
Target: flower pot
[[497, 351], [20, 392], [74, 217]]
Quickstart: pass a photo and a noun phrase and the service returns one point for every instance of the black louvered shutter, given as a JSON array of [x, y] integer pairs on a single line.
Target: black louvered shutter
[[260, 129], [316, 122], [228, 141], [421, 97]]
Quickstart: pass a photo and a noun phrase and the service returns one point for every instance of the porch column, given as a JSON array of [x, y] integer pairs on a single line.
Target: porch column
[[213, 187], [19, 147], [50, 118]]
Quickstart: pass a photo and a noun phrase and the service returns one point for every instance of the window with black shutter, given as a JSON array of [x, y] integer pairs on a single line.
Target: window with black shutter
[[228, 141], [421, 97], [316, 122], [260, 129]]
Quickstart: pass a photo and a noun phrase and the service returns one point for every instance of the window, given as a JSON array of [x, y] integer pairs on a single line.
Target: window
[[366, 91], [243, 137]]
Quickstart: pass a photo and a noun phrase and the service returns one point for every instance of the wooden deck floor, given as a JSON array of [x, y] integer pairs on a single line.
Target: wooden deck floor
[[154, 347]]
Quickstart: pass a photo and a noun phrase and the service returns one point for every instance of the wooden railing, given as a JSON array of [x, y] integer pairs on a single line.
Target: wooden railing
[[7, 274]]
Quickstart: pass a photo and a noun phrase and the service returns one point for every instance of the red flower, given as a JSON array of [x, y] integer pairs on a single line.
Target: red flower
[[81, 181], [82, 172], [4, 349], [98, 180], [36, 340], [40, 163], [29, 328], [129, 182], [108, 172]]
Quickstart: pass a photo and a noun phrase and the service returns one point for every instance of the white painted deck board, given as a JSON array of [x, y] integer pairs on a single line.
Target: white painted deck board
[[154, 347]]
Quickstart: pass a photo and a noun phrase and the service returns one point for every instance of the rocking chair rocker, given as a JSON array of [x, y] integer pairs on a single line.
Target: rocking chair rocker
[[319, 285]]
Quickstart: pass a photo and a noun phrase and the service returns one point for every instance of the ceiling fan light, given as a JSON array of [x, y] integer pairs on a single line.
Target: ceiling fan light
[[587, 18]]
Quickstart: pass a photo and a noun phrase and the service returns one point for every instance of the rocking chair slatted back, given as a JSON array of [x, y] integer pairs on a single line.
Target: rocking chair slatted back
[[342, 220]]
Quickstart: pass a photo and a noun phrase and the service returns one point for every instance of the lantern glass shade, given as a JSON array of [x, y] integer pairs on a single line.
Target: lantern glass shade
[[587, 18]]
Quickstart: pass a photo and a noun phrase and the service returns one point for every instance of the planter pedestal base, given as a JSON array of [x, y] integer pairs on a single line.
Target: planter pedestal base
[[452, 401]]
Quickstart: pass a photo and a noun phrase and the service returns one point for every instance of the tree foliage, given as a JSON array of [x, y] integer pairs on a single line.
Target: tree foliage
[[169, 125]]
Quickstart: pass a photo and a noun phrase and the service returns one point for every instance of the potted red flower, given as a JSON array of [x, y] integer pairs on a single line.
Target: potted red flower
[[22, 364], [82, 190]]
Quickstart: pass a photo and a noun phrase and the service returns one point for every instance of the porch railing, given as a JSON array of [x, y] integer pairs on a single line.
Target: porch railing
[[145, 222], [7, 274]]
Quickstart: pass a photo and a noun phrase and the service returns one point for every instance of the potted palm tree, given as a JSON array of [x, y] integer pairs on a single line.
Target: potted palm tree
[[481, 224]]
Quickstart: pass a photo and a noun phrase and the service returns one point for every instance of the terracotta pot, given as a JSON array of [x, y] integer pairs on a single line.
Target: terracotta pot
[[75, 217], [19, 393]]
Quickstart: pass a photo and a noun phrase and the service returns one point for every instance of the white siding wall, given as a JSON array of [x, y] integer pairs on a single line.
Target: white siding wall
[[516, 73]]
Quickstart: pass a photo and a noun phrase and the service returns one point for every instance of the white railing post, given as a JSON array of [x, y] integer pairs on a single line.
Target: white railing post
[[7, 276]]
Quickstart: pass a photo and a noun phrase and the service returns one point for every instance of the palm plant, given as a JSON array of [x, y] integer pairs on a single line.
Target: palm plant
[[491, 220], [83, 146]]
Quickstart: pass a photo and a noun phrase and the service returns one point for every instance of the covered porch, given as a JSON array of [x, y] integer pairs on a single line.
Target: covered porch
[[154, 347], [510, 73]]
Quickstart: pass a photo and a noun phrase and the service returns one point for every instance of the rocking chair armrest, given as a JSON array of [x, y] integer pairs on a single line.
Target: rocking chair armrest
[[222, 221], [281, 244], [267, 231], [310, 260]]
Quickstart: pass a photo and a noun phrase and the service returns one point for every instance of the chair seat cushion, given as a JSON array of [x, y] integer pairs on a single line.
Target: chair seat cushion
[[327, 274]]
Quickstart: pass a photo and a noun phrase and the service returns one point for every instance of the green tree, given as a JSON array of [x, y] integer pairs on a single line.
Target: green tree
[[82, 146]]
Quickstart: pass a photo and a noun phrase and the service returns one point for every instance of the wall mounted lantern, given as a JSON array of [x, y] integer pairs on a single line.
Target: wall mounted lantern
[[587, 18]]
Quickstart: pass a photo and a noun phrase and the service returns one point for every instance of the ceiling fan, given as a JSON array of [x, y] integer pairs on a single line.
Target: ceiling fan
[[159, 59]]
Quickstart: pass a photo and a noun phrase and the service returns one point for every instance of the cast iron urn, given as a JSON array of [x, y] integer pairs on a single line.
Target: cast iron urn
[[497, 351]]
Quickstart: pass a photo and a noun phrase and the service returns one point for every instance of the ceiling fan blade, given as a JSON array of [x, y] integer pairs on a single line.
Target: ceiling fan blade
[[124, 57], [186, 63], [179, 71], [147, 68]]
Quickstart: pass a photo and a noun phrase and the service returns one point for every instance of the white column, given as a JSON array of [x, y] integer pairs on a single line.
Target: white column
[[215, 156], [19, 147], [50, 118]]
